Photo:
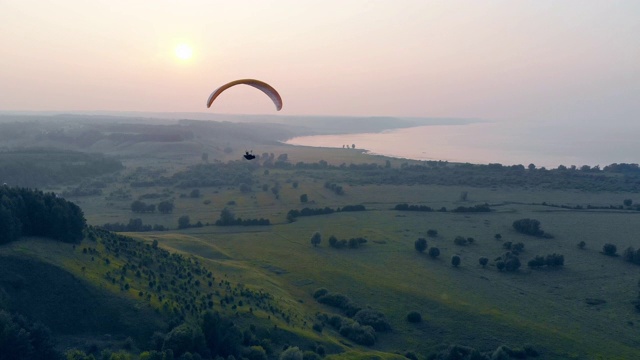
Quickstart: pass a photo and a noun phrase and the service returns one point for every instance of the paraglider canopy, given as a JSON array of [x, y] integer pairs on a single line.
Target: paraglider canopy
[[260, 85]]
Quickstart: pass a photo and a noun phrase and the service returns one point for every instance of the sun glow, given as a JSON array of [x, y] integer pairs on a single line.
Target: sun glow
[[183, 52]]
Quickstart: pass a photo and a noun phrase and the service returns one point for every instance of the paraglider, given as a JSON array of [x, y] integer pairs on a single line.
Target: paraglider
[[249, 156], [260, 85]]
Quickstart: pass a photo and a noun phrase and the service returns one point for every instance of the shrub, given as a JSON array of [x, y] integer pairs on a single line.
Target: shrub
[[335, 300], [421, 245], [512, 263], [320, 292], [432, 233], [455, 260], [434, 252], [609, 249], [363, 335], [581, 245], [460, 241], [554, 259], [316, 239], [483, 261], [292, 353], [414, 317], [536, 262], [529, 227], [373, 318]]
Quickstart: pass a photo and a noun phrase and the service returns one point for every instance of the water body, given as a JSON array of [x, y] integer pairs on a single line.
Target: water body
[[547, 144]]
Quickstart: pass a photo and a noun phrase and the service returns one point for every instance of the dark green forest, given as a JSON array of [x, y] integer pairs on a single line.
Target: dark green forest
[[26, 212]]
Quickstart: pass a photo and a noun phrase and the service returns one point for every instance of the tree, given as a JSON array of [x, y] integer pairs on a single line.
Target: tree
[[165, 207], [455, 260], [627, 202], [581, 245], [414, 317], [483, 261], [227, 217], [316, 239], [291, 353], [205, 157], [421, 245], [184, 222], [529, 227], [353, 146], [304, 198], [498, 237], [333, 241], [628, 254], [434, 252], [609, 249], [460, 241]]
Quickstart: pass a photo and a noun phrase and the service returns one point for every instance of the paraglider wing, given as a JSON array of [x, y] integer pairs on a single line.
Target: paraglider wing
[[260, 85]]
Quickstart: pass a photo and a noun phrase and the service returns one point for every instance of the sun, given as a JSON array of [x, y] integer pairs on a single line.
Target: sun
[[183, 52]]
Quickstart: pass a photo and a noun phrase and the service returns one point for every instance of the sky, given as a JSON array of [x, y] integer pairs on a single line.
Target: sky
[[572, 60]]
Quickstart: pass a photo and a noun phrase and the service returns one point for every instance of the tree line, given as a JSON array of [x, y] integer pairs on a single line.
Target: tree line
[[293, 214], [27, 212], [424, 208]]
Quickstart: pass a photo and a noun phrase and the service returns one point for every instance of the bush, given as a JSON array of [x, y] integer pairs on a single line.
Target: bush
[[609, 249], [320, 292], [292, 353], [455, 260], [373, 318], [362, 335], [421, 245], [432, 233], [434, 252], [483, 261], [536, 262], [460, 241], [581, 245], [529, 227], [414, 317]]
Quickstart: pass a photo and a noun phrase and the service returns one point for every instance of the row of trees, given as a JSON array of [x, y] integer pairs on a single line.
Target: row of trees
[[133, 225], [228, 218], [425, 208], [551, 260], [334, 242], [27, 212], [334, 187], [165, 207], [293, 214]]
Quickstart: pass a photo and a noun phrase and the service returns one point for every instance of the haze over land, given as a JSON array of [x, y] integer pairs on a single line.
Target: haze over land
[[133, 225]]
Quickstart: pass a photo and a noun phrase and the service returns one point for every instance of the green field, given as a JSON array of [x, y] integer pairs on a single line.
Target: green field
[[469, 305], [551, 310]]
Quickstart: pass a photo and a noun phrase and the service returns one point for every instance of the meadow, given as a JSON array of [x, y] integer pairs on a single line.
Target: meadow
[[582, 310], [469, 305]]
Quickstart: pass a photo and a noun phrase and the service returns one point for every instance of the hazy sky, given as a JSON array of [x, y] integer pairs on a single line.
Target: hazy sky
[[566, 60]]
